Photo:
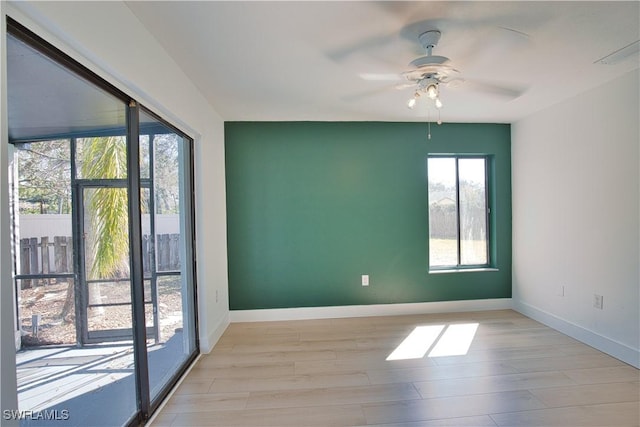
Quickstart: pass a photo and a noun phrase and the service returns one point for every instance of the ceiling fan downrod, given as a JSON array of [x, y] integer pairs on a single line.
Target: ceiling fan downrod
[[429, 40]]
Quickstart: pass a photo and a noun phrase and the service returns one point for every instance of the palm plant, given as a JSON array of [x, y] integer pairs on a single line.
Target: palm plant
[[108, 245], [107, 158]]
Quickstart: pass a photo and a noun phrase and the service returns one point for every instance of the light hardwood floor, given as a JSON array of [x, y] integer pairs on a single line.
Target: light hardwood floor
[[517, 372]]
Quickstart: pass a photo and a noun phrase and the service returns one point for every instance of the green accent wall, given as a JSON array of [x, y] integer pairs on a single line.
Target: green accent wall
[[311, 206]]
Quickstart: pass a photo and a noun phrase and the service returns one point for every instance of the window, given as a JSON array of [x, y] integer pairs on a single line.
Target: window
[[458, 212]]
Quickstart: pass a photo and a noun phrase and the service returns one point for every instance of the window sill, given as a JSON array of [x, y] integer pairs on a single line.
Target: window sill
[[462, 270]]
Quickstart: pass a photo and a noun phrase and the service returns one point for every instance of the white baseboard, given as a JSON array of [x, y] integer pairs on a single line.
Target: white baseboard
[[208, 342], [611, 347], [304, 313]]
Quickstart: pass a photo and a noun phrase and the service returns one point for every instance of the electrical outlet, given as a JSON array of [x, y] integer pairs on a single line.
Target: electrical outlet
[[365, 280], [597, 301]]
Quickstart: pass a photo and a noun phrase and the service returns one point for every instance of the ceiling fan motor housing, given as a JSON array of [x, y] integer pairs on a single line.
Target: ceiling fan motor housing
[[429, 39]]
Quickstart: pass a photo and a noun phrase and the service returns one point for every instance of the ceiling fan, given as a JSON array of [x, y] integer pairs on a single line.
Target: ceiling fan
[[428, 73]]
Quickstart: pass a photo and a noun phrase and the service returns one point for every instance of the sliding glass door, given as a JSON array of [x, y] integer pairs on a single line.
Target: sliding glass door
[[103, 243], [167, 233]]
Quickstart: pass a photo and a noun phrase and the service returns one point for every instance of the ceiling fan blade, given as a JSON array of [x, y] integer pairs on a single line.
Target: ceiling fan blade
[[495, 44], [508, 92], [341, 54], [355, 97], [442, 70], [403, 86], [620, 54], [381, 77]]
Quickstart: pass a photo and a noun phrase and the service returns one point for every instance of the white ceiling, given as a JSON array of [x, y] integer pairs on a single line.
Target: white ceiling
[[268, 60]]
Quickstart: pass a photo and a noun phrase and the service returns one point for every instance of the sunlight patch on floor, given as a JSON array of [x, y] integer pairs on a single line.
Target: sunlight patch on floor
[[455, 340], [417, 343]]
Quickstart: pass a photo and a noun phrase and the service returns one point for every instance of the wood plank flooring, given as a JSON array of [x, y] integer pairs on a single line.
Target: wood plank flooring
[[334, 372]]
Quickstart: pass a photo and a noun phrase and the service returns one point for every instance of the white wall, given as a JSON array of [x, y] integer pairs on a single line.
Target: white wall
[[60, 225], [108, 38], [576, 215]]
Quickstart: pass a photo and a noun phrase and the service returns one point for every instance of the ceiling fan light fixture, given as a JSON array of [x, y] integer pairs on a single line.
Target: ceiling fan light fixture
[[432, 90], [411, 102], [438, 103]]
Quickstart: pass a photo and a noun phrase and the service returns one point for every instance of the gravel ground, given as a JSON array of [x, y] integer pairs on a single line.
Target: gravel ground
[[48, 301]]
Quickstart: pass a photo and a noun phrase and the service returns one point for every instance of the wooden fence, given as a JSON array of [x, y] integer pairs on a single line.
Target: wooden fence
[[167, 252], [35, 257], [43, 256]]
